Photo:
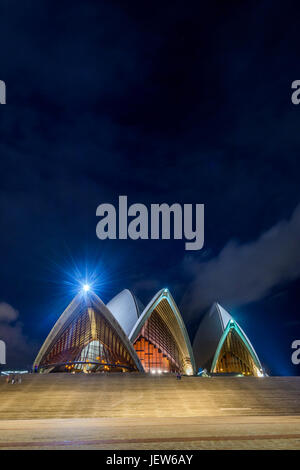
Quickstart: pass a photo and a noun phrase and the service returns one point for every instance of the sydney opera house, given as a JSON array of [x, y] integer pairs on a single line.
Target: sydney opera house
[[125, 336]]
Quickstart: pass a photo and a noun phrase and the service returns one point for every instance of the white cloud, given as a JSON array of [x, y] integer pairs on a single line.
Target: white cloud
[[243, 273], [7, 312], [18, 348]]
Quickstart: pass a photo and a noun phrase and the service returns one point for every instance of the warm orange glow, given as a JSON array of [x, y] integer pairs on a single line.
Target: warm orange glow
[[87, 328], [234, 357], [151, 356]]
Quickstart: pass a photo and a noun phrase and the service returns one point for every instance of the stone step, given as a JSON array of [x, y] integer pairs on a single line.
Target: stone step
[[125, 395]]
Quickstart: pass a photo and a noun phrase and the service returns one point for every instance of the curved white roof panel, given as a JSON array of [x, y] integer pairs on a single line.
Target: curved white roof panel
[[125, 308], [208, 336]]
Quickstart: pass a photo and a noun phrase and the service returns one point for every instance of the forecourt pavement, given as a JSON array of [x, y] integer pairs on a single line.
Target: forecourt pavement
[[139, 411]]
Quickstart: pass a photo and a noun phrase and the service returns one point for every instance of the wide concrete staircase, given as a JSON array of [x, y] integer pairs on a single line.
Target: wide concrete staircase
[[139, 395]]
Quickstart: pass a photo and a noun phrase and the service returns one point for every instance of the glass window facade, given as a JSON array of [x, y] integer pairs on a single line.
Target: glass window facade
[[88, 342], [234, 356], [156, 347]]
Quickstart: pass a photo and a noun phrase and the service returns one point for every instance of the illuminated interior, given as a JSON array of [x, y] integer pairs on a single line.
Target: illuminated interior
[[151, 356], [88, 338], [160, 343], [156, 348], [87, 343], [235, 354]]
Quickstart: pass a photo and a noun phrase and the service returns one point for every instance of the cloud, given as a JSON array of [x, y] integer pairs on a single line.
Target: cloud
[[7, 313], [18, 349], [244, 273]]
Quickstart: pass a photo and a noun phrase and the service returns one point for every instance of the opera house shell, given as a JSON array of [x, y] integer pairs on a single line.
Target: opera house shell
[[125, 336], [221, 345]]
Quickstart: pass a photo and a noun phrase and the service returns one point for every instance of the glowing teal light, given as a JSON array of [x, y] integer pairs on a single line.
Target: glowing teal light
[[232, 324]]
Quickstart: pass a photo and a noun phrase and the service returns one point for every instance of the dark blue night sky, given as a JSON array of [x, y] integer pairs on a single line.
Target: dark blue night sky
[[168, 101]]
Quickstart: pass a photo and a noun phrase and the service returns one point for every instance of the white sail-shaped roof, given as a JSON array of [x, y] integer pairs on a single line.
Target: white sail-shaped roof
[[125, 309], [80, 303]]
